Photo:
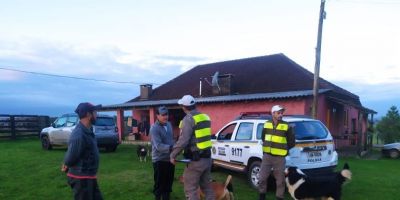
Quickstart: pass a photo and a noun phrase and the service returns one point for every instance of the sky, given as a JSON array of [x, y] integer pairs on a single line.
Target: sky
[[154, 41]]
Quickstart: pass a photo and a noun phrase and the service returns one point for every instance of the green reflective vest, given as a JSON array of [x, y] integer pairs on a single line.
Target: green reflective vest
[[202, 131], [275, 142]]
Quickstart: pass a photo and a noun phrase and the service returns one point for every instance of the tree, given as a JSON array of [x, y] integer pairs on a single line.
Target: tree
[[389, 126]]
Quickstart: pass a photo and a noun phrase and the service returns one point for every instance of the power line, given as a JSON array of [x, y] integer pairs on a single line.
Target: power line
[[74, 77], [370, 2]]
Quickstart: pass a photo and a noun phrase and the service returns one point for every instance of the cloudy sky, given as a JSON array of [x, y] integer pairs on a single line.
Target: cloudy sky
[[154, 41]]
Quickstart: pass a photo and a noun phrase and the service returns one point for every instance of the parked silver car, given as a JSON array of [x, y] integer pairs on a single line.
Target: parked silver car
[[392, 150], [60, 130]]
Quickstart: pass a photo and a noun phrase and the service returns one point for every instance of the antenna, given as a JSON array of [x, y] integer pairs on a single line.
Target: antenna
[[214, 81]]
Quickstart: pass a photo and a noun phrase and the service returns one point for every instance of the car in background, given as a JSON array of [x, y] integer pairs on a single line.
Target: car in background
[[59, 132], [238, 146], [391, 150]]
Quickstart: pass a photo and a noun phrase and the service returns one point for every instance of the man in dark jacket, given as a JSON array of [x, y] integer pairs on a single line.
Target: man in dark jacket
[[162, 140], [81, 160]]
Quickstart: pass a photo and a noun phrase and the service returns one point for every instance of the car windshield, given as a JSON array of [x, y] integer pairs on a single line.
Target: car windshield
[[309, 130], [104, 121]]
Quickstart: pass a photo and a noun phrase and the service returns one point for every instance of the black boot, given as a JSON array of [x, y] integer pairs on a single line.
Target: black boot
[[278, 198], [262, 196], [165, 196], [158, 197]]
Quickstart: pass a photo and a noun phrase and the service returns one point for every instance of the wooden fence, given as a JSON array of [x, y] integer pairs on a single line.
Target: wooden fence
[[14, 126]]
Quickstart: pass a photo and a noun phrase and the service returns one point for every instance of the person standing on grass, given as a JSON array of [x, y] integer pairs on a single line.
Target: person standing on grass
[[81, 160], [278, 138], [195, 140], [162, 140]]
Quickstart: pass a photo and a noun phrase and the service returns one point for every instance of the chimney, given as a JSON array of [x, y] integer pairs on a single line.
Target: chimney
[[145, 91], [224, 86]]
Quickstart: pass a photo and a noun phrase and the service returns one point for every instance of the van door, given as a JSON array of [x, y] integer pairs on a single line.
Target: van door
[[240, 146], [221, 147]]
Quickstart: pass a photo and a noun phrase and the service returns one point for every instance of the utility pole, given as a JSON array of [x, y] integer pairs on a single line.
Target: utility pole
[[317, 60]]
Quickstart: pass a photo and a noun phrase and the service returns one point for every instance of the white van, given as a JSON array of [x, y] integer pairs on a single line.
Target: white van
[[238, 146]]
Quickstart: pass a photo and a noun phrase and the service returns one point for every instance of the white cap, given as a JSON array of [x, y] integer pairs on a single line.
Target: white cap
[[276, 108], [187, 100]]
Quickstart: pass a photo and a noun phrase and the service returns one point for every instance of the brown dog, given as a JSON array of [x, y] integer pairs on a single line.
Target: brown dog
[[222, 191]]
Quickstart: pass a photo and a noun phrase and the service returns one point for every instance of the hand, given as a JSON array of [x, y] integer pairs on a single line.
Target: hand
[[173, 161], [64, 168]]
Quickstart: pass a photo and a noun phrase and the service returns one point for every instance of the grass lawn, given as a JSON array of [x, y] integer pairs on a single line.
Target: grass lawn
[[28, 172]]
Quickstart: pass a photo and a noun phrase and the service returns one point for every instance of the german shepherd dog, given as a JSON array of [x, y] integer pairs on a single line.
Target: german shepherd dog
[[222, 191]]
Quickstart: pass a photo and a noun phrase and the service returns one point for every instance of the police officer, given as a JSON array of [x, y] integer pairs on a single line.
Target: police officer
[[195, 140], [278, 138]]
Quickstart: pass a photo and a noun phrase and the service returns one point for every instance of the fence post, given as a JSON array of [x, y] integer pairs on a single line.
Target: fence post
[[12, 124]]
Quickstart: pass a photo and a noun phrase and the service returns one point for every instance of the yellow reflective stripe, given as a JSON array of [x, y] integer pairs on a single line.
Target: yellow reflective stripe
[[268, 125], [267, 149], [275, 151], [204, 145], [180, 124], [201, 117], [202, 132], [282, 127], [267, 137], [275, 138], [278, 139], [279, 152]]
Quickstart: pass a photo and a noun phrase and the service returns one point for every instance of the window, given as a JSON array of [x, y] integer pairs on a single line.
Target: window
[[260, 128], [309, 130], [104, 121], [72, 120], [226, 134], [245, 131], [61, 122]]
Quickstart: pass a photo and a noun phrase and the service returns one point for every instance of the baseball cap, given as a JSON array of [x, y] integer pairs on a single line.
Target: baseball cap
[[162, 110], [187, 100], [86, 107], [276, 108]]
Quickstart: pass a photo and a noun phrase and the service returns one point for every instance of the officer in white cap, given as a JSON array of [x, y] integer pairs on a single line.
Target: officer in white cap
[[278, 138], [195, 140]]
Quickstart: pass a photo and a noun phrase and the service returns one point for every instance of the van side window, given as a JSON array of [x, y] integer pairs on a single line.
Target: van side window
[[61, 122], [260, 128], [226, 134], [245, 131], [72, 121]]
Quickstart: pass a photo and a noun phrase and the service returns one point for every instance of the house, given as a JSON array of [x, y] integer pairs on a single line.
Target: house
[[226, 89]]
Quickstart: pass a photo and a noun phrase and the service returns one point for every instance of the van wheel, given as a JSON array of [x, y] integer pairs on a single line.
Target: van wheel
[[253, 174], [394, 153], [46, 143]]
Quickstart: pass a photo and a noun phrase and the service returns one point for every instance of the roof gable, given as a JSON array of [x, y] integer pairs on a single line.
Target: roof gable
[[264, 74]]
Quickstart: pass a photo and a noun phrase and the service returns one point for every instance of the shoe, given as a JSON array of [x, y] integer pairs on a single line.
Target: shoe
[[262, 196], [278, 198]]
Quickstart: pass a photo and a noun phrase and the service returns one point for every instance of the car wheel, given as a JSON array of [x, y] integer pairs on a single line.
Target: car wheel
[[253, 174], [394, 153], [46, 143], [111, 148]]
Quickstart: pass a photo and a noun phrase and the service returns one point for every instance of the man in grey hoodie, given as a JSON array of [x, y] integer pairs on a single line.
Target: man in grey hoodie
[[162, 140], [81, 160]]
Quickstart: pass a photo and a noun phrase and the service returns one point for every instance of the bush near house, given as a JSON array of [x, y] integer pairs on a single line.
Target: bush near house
[[389, 126], [28, 172]]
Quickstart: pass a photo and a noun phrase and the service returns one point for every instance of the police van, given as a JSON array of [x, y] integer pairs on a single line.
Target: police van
[[238, 146]]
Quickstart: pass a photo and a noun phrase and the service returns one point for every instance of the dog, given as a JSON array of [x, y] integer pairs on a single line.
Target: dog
[[301, 186], [222, 191], [142, 153]]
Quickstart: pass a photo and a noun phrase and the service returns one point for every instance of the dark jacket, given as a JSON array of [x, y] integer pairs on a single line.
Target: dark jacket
[[82, 157]]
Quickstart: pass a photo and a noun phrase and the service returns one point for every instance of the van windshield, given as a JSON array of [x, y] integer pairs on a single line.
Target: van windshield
[[309, 130], [104, 121]]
